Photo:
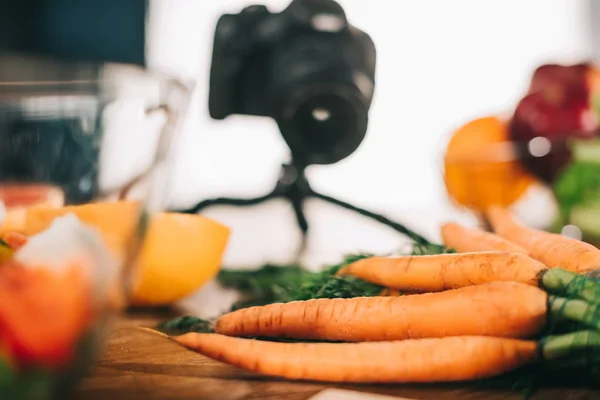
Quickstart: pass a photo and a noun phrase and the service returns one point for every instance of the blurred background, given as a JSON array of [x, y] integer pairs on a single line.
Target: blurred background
[[439, 64]]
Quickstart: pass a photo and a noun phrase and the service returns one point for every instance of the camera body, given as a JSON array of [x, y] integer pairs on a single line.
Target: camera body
[[306, 67]]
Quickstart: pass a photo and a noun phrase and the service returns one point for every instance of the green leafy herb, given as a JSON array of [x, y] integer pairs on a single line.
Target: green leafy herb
[[429, 249], [272, 284], [269, 284], [181, 325], [326, 284]]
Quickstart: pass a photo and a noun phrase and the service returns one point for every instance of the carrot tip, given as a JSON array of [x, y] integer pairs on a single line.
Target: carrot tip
[[152, 331]]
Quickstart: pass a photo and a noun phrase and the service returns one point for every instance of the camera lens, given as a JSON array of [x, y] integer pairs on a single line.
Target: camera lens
[[318, 102], [326, 119], [324, 125]]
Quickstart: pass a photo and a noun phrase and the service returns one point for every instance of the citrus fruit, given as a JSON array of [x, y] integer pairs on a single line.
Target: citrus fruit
[[179, 254], [116, 221], [481, 168]]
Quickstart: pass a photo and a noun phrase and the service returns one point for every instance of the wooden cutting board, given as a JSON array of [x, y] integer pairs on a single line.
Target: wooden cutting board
[[140, 365]]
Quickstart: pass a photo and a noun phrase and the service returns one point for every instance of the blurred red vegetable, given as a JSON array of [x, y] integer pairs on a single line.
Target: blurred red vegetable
[[42, 313], [556, 108], [548, 75]]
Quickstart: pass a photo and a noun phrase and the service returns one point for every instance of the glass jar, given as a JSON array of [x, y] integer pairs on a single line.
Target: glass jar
[[84, 161]]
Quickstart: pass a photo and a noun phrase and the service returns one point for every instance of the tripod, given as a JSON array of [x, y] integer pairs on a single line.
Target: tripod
[[294, 187]]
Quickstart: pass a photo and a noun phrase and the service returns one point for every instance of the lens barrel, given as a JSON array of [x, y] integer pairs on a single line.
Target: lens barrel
[[320, 97]]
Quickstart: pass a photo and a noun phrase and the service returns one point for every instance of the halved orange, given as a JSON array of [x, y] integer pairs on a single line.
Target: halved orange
[[116, 221], [180, 253]]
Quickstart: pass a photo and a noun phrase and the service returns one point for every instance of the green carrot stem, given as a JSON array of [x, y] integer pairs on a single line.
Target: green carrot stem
[[575, 310], [569, 284], [573, 344]]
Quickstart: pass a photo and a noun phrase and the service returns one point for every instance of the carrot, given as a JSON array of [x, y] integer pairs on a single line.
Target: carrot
[[435, 273], [503, 309], [465, 240], [410, 361], [552, 249]]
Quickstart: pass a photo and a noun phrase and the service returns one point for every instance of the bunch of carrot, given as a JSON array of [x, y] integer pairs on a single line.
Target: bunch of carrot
[[476, 313]]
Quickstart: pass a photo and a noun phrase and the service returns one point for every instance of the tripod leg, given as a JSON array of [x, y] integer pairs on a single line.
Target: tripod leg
[[226, 201], [302, 248], [300, 217], [297, 204], [377, 217]]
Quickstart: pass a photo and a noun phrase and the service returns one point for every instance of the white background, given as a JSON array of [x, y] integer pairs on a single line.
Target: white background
[[440, 63]]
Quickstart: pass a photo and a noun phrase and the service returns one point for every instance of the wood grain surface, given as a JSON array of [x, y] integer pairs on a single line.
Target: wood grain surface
[[139, 365]]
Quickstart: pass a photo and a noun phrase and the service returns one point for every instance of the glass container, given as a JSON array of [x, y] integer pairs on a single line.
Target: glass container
[[84, 162]]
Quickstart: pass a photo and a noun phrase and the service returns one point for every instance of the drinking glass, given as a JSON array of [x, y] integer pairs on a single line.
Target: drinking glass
[[84, 162]]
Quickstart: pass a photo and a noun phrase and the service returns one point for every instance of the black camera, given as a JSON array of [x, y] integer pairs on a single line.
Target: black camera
[[306, 67], [314, 74]]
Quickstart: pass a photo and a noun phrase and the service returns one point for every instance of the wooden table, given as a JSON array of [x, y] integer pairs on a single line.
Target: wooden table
[[140, 365]]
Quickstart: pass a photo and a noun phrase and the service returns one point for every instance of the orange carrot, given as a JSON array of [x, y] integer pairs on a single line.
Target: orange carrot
[[422, 360], [464, 240], [552, 249], [435, 273], [502, 309]]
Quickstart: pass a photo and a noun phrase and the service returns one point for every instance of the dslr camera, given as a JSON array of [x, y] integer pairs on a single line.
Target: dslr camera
[[306, 67]]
